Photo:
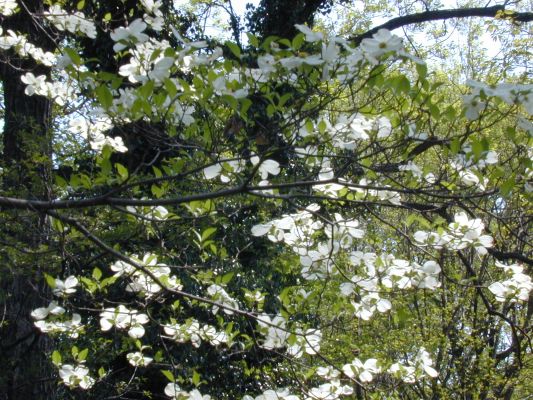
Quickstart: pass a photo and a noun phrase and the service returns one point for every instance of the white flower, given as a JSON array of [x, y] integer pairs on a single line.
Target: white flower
[[382, 42], [279, 394], [261, 229], [469, 178], [310, 36], [424, 361], [74, 22], [151, 6], [66, 287], [35, 85], [7, 7], [42, 312], [516, 288], [473, 106], [133, 32], [212, 171], [173, 391], [137, 359], [405, 372], [71, 327], [383, 127], [311, 341], [122, 318], [364, 370], [276, 333], [76, 376], [413, 168], [267, 167], [196, 395], [161, 69], [329, 391], [218, 293]]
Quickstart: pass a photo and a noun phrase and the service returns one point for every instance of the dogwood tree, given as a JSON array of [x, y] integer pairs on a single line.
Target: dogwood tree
[[307, 216]]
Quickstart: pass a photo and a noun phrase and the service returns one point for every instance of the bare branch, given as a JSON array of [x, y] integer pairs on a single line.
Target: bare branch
[[435, 15]]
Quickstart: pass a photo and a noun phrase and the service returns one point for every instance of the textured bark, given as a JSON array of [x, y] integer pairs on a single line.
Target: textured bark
[[277, 17], [25, 372]]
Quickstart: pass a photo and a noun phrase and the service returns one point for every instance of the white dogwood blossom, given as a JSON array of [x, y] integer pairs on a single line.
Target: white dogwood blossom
[[516, 288], [138, 359], [123, 318], [364, 371], [74, 376], [8, 7]]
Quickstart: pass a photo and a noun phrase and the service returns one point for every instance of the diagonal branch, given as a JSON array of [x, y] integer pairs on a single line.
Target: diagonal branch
[[435, 15]]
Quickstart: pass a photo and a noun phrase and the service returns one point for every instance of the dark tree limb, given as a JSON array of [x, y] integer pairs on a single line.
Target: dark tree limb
[[435, 15]]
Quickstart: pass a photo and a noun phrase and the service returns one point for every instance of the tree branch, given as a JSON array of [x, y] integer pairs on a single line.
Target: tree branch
[[435, 15]]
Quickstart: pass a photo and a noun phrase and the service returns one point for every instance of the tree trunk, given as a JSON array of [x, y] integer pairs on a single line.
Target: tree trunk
[[27, 161]]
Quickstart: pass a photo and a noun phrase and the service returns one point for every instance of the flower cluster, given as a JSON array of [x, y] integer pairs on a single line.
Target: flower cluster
[[461, 233], [146, 282], [219, 294], [38, 85], [158, 213], [278, 335], [508, 92], [279, 394], [72, 22], [24, 48], [8, 7], [48, 320], [192, 331], [74, 376], [93, 128], [122, 318], [420, 366], [138, 359], [515, 288], [364, 371], [174, 391]]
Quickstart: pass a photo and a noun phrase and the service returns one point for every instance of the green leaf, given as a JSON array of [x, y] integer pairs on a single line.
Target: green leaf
[[196, 378], [434, 111], [105, 98], [252, 39], [322, 126], [298, 40], [455, 146], [73, 55], [171, 88], [507, 186], [169, 375], [207, 233], [234, 48], [157, 191], [146, 90], [80, 5], [97, 273], [421, 70], [227, 277], [122, 171], [157, 172], [56, 358], [62, 183], [403, 84], [82, 355], [449, 113], [50, 280]]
